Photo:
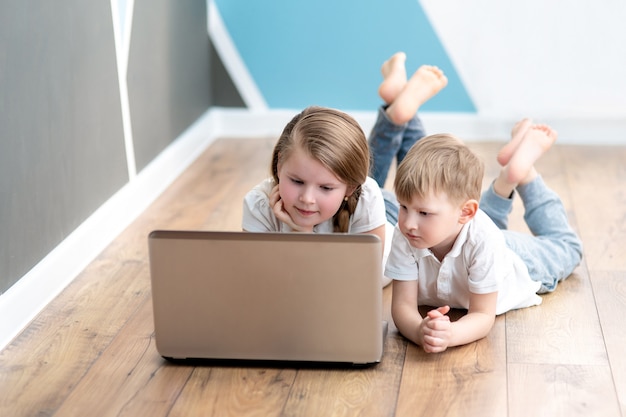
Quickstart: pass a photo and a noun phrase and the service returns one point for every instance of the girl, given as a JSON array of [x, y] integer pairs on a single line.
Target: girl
[[319, 182]]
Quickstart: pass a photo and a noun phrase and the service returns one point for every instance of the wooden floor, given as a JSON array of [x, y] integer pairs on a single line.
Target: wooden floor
[[91, 351]]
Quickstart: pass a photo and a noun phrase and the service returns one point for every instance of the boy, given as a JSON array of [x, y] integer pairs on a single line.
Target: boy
[[450, 251]]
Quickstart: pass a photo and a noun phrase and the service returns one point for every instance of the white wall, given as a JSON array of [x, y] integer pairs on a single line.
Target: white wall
[[556, 58]]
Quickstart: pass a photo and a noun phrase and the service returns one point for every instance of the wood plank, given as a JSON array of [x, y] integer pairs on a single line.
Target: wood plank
[[253, 166], [41, 367], [224, 391], [597, 177], [464, 381], [209, 194], [130, 378], [338, 392], [212, 190], [610, 293], [544, 334], [560, 391]]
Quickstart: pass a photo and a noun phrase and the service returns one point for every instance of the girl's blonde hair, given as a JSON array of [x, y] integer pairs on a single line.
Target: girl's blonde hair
[[439, 163], [335, 140]]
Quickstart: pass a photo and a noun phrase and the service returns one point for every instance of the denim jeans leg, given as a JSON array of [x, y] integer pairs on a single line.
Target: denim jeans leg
[[414, 131], [384, 142], [553, 250], [546, 218], [391, 206], [496, 207]]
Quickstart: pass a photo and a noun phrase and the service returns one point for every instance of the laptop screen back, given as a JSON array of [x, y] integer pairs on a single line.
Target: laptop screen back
[[267, 296]]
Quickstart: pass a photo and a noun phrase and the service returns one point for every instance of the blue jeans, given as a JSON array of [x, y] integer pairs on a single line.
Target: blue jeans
[[553, 250], [392, 207], [388, 141]]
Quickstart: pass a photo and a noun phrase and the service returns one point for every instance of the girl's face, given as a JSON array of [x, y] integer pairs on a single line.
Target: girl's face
[[430, 223], [310, 192]]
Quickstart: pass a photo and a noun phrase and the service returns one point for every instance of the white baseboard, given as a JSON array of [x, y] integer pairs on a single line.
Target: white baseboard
[[467, 126], [26, 298]]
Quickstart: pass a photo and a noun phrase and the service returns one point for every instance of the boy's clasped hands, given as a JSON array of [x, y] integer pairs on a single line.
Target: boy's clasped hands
[[435, 330]]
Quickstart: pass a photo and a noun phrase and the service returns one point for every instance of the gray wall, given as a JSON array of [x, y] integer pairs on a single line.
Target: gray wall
[[62, 149], [223, 90], [168, 72]]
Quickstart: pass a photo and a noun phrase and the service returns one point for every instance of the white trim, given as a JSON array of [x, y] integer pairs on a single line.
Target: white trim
[[234, 64], [26, 298], [128, 30], [121, 34], [467, 126]]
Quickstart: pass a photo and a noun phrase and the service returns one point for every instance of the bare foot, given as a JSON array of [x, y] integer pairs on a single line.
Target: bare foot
[[537, 140], [517, 133], [424, 84], [394, 77]]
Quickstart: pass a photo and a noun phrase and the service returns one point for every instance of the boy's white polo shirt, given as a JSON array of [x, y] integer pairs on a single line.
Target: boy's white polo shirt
[[479, 262]]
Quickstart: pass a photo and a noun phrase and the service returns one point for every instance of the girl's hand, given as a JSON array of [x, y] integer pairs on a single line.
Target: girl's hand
[[281, 214]]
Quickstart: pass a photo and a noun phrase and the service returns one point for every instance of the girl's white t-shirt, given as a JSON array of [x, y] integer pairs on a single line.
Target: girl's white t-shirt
[[259, 217]]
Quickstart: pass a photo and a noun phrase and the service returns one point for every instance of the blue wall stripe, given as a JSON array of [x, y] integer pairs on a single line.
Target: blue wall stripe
[[329, 52]]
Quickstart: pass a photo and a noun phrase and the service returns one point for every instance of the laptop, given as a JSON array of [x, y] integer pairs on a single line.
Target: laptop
[[286, 297]]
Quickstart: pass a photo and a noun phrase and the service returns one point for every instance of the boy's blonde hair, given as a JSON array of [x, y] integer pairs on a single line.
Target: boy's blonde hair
[[439, 163], [337, 141]]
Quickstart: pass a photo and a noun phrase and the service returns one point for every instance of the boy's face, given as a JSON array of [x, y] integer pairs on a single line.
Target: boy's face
[[431, 222]]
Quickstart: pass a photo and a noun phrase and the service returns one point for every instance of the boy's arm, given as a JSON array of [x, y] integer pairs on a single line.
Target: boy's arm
[[432, 332], [435, 332], [404, 310], [478, 321]]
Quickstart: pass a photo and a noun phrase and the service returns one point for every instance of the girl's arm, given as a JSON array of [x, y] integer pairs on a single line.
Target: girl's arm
[[380, 232], [281, 214]]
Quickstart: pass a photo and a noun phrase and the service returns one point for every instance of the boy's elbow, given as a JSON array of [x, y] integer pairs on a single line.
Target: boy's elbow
[[489, 320], [396, 313]]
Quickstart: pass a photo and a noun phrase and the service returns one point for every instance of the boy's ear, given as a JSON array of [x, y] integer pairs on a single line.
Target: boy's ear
[[468, 211]]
